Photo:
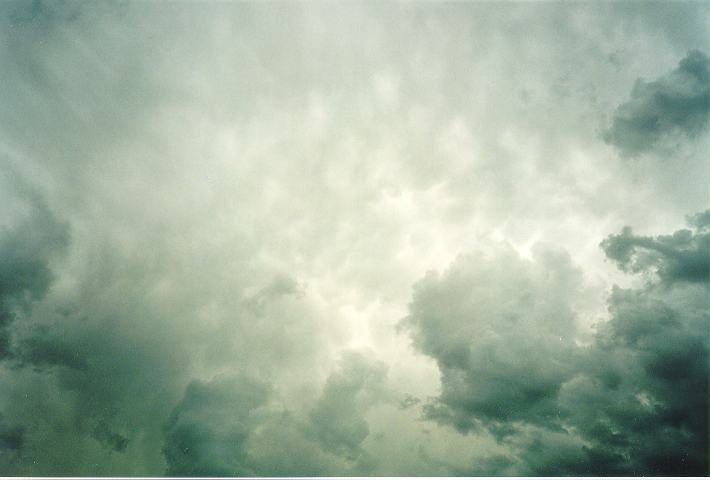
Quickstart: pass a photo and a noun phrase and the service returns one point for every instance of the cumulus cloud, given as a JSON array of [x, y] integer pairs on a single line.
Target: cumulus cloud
[[678, 102], [634, 402], [502, 330]]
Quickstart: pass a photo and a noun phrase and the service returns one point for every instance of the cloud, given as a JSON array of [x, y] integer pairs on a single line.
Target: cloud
[[11, 438], [682, 256], [45, 348], [207, 433], [229, 196], [678, 102], [502, 331], [654, 414], [235, 426], [105, 435], [26, 249], [337, 418], [634, 402]]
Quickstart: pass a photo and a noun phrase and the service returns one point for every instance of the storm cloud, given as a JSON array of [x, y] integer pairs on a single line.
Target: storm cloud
[[217, 427], [677, 103], [26, 248], [217, 219], [633, 401], [502, 331], [682, 256]]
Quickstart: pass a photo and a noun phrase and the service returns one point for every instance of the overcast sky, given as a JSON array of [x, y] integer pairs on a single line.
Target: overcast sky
[[354, 238]]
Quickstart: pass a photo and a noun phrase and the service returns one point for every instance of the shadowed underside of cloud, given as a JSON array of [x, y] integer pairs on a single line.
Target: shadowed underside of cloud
[[682, 256], [676, 103], [634, 402], [501, 330], [238, 426], [26, 248]]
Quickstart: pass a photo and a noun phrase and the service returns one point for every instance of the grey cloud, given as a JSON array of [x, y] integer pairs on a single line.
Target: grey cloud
[[45, 348], [11, 438], [634, 402], [105, 435], [655, 416], [208, 430], [235, 426], [677, 102], [337, 418], [251, 188], [684, 255], [26, 249], [502, 331], [701, 220]]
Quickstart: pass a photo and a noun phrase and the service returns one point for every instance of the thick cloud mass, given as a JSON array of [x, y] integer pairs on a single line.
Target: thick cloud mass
[[501, 330], [633, 402], [217, 219], [675, 103]]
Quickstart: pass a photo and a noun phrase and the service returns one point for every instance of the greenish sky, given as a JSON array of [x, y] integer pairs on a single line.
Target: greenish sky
[[354, 238]]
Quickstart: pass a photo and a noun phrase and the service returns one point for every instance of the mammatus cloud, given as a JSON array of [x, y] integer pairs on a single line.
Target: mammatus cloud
[[634, 402], [677, 103]]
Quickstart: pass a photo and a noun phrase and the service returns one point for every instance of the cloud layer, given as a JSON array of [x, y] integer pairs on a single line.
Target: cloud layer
[[221, 226]]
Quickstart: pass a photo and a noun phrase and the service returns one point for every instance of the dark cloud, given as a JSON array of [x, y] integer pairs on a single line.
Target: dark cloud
[[701, 220], [502, 331], [105, 435], [634, 402], [208, 431], [26, 249], [655, 414], [676, 103], [235, 427], [246, 204], [682, 256], [45, 348], [11, 438]]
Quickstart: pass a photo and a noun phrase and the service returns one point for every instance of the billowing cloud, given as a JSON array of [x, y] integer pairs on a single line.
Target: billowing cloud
[[677, 103], [207, 209], [502, 330], [633, 402]]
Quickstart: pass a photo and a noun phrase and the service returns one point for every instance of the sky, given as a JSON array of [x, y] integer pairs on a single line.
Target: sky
[[354, 238]]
